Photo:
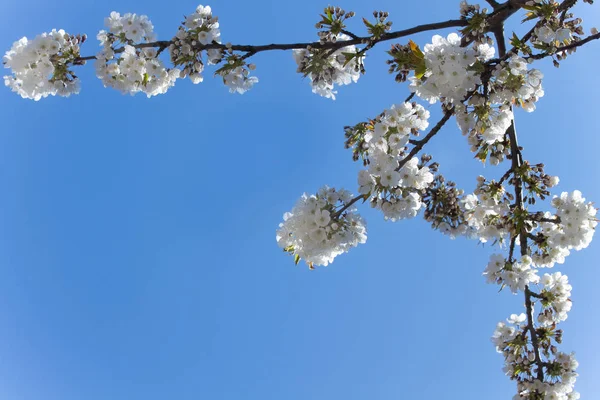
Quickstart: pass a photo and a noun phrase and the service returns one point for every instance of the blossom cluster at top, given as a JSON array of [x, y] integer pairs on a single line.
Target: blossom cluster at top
[[326, 68], [484, 119], [513, 81], [481, 90], [200, 29], [322, 226], [450, 69], [129, 59], [546, 34], [134, 69], [41, 67]]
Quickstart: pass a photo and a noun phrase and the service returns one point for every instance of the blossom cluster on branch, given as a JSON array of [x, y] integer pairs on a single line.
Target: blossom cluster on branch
[[42, 67], [134, 69], [321, 226]]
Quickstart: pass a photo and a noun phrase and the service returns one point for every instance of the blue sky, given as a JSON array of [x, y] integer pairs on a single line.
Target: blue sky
[[137, 236]]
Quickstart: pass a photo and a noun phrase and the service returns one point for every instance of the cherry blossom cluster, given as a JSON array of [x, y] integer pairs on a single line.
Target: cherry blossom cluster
[[393, 181], [554, 29], [516, 275], [451, 70], [41, 67], [485, 128], [486, 211], [572, 227], [200, 29], [482, 215], [236, 74], [397, 190], [546, 34], [326, 68], [513, 81], [321, 226], [523, 361], [484, 119], [133, 68], [477, 20], [556, 300]]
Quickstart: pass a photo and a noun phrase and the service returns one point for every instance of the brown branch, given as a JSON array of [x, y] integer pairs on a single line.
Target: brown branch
[[356, 40], [534, 338], [348, 205], [539, 217], [352, 35], [566, 5], [567, 47], [517, 161], [420, 143], [493, 3], [536, 295]]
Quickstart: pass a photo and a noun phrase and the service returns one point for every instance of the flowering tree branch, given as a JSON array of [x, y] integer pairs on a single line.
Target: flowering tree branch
[[566, 48], [354, 40], [461, 73], [419, 144]]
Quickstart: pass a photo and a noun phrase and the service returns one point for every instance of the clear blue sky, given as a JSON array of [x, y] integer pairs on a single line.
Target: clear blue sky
[[137, 236]]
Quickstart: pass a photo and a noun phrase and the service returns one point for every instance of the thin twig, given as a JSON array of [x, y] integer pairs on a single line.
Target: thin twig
[[419, 144], [566, 47], [348, 205]]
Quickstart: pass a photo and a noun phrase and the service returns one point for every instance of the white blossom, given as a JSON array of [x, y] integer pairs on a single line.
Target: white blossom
[[41, 67], [320, 227], [574, 231], [556, 295], [449, 75], [238, 80], [325, 70], [515, 275], [393, 180], [134, 69]]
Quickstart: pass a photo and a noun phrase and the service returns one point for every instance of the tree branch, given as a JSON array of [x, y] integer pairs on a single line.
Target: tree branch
[[348, 205], [356, 40], [493, 3], [517, 161], [570, 46], [419, 144]]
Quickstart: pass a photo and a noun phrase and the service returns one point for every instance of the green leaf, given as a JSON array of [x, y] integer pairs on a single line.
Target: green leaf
[[416, 50], [296, 259], [420, 70], [349, 57], [330, 17], [530, 8], [515, 41], [367, 23]]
